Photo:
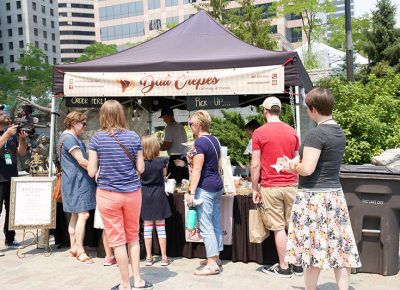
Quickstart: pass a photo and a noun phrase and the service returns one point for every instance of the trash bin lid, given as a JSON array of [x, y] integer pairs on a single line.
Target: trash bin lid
[[370, 169]]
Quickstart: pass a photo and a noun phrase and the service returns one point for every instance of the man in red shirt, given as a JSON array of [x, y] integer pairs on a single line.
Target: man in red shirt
[[271, 142]]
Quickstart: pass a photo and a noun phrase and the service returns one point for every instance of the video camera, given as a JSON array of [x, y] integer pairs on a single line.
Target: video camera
[[25, 121]]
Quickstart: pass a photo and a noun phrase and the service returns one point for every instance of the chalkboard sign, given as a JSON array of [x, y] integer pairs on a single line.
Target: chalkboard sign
[[194, 103], [86, 102], [31, 203]]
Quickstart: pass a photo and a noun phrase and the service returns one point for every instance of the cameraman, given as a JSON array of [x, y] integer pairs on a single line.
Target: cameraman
[[10, 146]]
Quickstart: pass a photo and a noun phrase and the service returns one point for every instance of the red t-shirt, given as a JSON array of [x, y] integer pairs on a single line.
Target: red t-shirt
[[274, 140]]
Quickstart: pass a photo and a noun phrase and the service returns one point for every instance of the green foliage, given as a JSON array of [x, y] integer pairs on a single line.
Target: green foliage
[[311, 60], [8, 84], [359, 27], [230, 131], [247, 23], [384, 39], [309, 10], [369, 114], [97, 50], [35, 75]]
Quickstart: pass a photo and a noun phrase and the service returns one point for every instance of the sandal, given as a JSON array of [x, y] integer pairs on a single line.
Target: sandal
[[165, 262], [72, 254], [86, 260], [205, 261], [147, 285], [207, 271], [149, 262]]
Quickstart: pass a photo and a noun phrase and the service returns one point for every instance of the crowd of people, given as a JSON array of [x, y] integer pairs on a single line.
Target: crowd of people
[[122, 177]]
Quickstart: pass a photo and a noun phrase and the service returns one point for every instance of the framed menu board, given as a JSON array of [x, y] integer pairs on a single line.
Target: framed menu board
[[31, 203]]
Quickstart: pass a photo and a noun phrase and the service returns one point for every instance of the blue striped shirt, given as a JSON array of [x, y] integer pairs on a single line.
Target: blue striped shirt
[[116, 169]]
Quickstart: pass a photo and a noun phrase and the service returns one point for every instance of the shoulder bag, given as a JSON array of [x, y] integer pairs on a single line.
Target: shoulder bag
[[56, 194], [126, 151]]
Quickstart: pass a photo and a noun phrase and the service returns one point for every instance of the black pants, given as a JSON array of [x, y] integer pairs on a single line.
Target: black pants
[[5, 196], [176, 172]]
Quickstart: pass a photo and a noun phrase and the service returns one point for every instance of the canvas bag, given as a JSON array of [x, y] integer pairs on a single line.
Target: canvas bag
[[257, 231], [56, 194]]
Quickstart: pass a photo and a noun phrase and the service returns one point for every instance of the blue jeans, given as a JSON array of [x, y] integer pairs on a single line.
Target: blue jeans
[[209, 217]]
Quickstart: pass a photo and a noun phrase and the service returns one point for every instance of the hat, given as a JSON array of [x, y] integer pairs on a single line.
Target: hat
[[166, 111], [271, 101]]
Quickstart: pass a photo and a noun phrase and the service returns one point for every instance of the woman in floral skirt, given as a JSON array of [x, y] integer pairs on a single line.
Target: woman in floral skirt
[[320, 234]]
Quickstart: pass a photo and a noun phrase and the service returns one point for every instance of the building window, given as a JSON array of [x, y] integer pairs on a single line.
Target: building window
[[44, 22], [52, 24], [122, 31], [54, 48], [54, 61], [43, 9], [46, 59], [51, 1], [44, 34], [20, 31], [10, 33], [1, 34], [21, 55], [154, 4], [8, 6], [18, 4], [189, 1], [169, 3], [51, 12], [1, 59], [34, 18], [45, 47], [34, 6], [10, 45], [12, 69], [36, 32], [19, 17], [53, 37], [1, 46], [274, 29], [21, 44], [295, 34], [154, 24], [11, 58], [37, 44], [173, 20], [9, 19]]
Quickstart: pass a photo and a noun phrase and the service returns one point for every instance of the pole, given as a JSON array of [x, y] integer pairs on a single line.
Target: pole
[[52, 130], [297, 104], [349, 42]]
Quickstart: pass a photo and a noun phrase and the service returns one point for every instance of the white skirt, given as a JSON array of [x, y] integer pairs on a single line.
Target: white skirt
[[98, 222]]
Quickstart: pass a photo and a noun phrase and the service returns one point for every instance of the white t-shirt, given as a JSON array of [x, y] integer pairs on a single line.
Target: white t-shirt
[[176, 134], [248, 148]]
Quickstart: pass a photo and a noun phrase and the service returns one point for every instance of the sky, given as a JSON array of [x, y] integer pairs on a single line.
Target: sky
[[365, 6]]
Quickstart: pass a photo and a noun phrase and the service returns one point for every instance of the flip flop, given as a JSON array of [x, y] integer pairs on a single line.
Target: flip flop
[[86, 260], [147, 285], [205, 261], [207, 271], [72, 254]]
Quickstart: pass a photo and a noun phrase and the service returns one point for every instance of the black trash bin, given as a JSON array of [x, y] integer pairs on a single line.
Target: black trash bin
[[373, 197]]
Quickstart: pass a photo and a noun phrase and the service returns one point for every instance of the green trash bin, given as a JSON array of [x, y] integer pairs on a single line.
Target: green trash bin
[[373, 197]]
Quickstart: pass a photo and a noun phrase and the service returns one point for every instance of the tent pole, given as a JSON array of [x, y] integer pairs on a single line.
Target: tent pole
[[297, 105], [52, 130]]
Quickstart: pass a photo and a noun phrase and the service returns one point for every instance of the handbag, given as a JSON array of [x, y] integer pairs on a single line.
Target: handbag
[[257, 231], [56, 194], [126, 151]]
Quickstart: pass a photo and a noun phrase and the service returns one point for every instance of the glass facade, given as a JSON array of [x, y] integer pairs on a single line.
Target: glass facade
[[154, 4], [170, 3], [135, 29], [121, 11]]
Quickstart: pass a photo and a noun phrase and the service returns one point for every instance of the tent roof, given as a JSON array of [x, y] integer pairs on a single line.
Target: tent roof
[[198, 43]]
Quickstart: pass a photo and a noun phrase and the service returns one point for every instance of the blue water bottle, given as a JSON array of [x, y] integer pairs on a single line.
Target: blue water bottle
[[191, 218]]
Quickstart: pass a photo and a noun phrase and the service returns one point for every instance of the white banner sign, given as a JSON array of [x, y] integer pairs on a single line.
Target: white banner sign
[[250, 80]]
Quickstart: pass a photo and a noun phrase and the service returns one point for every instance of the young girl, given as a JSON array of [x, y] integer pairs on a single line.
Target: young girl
[[155, 207]]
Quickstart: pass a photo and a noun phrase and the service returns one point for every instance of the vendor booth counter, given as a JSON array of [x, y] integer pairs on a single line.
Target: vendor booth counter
[[241, 249]]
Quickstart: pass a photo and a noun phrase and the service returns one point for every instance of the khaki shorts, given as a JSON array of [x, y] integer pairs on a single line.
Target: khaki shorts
[[278, 203]]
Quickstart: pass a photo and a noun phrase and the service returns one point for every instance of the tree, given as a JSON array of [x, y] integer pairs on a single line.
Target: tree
[[35, 75], [8, 84], [248, 24], [216, 8], [360, 28], [308, 10], [97, 50], [384, 39]]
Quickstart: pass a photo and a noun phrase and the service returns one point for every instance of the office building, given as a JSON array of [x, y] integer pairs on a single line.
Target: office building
[[77, 27], [29, 21]]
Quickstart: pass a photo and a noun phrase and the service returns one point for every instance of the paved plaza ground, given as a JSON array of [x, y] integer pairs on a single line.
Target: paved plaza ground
[[58, 271]]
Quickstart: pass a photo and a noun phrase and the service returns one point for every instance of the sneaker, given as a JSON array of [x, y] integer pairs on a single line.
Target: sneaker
[[13, 245], [149, 262], [297, 270], [276, 270], [109, 261]]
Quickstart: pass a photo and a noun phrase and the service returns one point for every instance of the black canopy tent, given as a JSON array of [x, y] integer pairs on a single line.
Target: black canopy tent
[[198, 44]]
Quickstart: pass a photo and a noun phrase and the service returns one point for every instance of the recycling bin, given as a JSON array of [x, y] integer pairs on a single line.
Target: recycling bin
[[373, 197]]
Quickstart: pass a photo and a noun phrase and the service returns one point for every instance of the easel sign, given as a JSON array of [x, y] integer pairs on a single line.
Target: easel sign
[[31, 203]]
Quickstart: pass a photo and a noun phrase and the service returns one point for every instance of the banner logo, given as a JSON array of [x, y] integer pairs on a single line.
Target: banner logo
[[126, 85]]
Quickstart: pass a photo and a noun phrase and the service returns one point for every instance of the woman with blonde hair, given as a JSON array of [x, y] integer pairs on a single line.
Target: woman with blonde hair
[[77, 188], [117, 154], [155, 207], [206, 186]]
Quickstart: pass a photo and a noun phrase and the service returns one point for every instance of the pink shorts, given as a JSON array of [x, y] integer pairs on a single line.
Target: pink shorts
[[120, 213]]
